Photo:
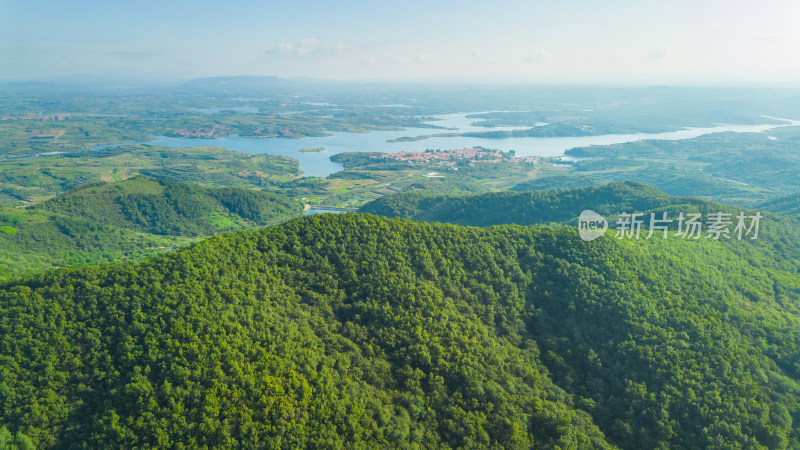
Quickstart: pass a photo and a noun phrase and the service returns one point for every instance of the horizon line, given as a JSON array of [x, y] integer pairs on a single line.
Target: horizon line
[[164, 80]]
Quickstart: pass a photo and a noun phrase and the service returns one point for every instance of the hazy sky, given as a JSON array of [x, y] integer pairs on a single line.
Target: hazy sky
[[666, 41]]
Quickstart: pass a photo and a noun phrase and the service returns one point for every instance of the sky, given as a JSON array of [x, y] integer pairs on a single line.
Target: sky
[[579, 41]]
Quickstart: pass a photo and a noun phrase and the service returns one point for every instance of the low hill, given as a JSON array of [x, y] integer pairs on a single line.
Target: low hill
[[353, 330], [126, 220], [529, 208], [169, 208], [788, 204], [778, 244]]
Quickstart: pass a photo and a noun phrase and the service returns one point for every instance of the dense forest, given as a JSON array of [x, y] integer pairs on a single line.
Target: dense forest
[[532, 207], [355, 330], [777, 245], [170, 208], [788, 204], [102, 222]]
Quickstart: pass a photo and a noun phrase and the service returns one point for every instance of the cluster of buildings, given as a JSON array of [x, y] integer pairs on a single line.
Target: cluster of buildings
[[451, 158], [37, 117]]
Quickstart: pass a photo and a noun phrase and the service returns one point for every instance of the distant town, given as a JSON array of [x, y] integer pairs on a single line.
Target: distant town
[[451, 158]]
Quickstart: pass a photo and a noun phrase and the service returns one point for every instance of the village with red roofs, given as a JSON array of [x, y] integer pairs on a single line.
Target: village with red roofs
[[451, 158]]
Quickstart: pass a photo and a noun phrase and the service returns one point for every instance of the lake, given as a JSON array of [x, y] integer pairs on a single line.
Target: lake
[[318, 164]]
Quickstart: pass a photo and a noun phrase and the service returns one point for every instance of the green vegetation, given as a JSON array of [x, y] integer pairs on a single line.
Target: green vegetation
[[550, 130], [352, 330], [370, 175], [736, 168], [422, 137], [31, 180], [550, 182], [131, 219], [112, 118], [776, 246], [788, 204], [356, 160], [312, 150], [530, 208], [733, 168], [357, 331], [676, 109], [169, 208], [14, 442], [42, 241], [744, 169]]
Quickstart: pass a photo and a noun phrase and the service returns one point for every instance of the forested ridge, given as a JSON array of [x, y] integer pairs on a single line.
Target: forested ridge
[[788, 204], [777, 246], [127, 220], [530, 207], [360, 331], [170, 208]]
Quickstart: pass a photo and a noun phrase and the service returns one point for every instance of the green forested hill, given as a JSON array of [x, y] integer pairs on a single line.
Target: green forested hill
[[170, 208], [103, 222], [788, 204], [778, 244], [359, 331], [528, 208]]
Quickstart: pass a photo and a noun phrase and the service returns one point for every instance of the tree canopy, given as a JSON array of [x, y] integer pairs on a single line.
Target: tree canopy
[[355, 330]]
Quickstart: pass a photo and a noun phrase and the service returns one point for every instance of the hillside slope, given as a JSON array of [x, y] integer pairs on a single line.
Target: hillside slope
[[529, 207], [778, 244], [788, 204], [127, 220], [361, 331], [171, 208]]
